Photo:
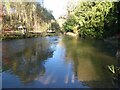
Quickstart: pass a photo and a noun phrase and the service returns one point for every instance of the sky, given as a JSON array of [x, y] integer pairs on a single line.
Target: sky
[[57, 6]]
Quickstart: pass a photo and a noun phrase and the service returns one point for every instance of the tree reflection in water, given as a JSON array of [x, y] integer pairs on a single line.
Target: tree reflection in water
[[25, 58], [75, 63], [90, 59]]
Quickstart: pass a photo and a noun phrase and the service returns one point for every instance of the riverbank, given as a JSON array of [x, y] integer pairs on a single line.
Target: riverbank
[[71, 34], [28, 35], [115, 69], [113, 40]]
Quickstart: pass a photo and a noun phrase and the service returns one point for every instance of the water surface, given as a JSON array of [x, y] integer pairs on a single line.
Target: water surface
[[62, 62]]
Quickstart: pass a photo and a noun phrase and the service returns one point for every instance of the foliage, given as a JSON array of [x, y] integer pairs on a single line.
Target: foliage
[[111, 23], [69, 25], [30, 14], [93, 19], [54, 26]]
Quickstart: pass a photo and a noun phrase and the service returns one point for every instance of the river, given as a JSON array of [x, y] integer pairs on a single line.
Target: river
[[57, 62]]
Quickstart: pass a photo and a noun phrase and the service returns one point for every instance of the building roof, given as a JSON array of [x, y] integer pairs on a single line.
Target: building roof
[[20, 26]]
